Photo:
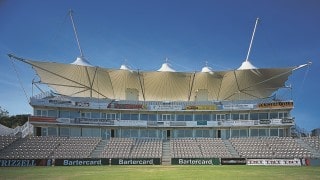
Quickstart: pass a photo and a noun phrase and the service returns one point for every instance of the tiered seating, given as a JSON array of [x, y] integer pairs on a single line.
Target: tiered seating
[[252, 148], [269, 147], [133, 148], [6, 140], [185, 148], [213, 148], [287, 147], [314, 142], [147, 148], [37, 147], [76, 147], [198, 148], [118, 148]]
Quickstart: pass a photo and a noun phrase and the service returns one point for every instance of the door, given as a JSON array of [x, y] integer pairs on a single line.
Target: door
[[112, 133], [168, 134], [219, 133]]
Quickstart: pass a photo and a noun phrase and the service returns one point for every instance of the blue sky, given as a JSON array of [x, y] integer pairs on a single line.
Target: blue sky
[[145, 32]]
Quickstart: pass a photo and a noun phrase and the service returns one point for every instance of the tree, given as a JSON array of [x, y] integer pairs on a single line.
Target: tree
[[3, 112], [12, 121]]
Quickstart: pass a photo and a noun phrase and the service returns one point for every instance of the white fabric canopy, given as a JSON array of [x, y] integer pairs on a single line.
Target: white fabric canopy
[[89, 81]]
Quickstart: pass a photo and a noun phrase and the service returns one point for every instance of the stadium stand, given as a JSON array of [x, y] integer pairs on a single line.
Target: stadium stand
[[6, 140], [147, 148], [31, 147], [269, 147], [133, 148], [198, 148], [313, 142], [75, 147], [42, 147]]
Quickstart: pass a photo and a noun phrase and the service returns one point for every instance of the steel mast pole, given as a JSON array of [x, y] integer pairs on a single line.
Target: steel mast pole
[[75, 32], [254, 31]]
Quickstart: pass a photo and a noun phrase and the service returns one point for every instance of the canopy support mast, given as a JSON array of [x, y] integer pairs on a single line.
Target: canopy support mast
[[75, 33], [252, 37]]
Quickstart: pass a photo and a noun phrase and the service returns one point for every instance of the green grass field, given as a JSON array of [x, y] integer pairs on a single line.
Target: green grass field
[[161, 172]]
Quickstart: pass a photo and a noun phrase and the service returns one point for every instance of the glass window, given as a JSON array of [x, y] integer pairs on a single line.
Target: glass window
[[144, 117], [188, 133], [235, 133], [52, 131], [243, 132], [180, 133], [75, 132], [225, 134], [263, 116], [152, 133], [44, 131], [64, 132], [254, 132], [134, 117], [45, 113], [273, 115], [262, 132], [244, 116], [152, 117], [214, 133], [198, 133], [220, 117], [85, 115], [38, 112], [125, 133], [283, 114], [95, 115], [188, 117], [180, 117], [125, 116], [64, 114], [235, 116], [95, 132], [202, 117], [206, 117], [254, 116], [144, 133], [112, 116], [198, 117], [103, 116], [52, 113], [134, 133], [165, 117], [86, 132], [205, 133], [281, 134], [214, 117], [74, 114], [273, 132], [148, 133]]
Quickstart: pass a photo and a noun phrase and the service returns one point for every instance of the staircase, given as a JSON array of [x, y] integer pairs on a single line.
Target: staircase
[[166, 155], [230, 148], [99, 148]]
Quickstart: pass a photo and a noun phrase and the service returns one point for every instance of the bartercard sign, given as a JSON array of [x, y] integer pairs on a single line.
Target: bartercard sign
[[195, 161], [81, 162], [136, 161]]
